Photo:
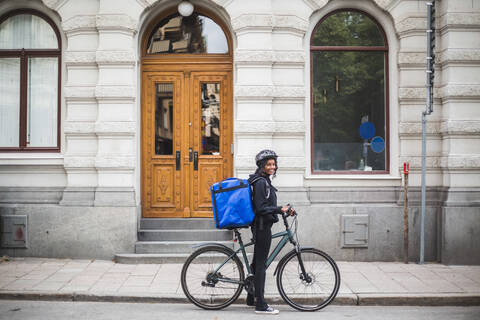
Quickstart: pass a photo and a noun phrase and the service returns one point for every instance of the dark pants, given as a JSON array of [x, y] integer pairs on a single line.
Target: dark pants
[[263, 240]]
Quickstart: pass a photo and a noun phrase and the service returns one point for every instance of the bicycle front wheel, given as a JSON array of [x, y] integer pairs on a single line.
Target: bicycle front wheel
[[212, 280], [317, 289]]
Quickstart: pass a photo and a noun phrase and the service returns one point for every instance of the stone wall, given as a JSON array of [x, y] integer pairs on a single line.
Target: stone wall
[[99, 166]]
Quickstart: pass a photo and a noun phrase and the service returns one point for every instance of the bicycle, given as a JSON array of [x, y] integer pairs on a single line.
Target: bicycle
[[307, 279]]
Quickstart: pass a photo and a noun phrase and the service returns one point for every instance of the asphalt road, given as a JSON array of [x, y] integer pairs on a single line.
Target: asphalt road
[[23, 310]]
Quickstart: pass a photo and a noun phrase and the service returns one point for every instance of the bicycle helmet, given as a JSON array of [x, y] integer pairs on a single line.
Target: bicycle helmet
[[265, 155]]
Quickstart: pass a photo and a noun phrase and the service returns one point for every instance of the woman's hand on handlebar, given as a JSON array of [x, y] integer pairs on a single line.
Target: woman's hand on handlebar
[[288, 209]]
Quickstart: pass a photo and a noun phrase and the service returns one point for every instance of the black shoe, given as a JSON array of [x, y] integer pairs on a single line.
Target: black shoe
[[266, 310], [250, 300]]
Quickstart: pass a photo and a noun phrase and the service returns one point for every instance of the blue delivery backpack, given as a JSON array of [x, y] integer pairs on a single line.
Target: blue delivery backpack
[[232, 203]]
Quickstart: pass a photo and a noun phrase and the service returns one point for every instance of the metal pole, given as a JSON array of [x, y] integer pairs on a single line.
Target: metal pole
[[428, 110], [406, 168], [422, 217]]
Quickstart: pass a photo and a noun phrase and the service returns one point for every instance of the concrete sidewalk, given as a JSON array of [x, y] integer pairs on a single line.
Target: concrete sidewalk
[[363, 283]]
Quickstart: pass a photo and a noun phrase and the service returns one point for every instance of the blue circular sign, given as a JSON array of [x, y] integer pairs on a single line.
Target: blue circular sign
[[367, 130], [377, 144]]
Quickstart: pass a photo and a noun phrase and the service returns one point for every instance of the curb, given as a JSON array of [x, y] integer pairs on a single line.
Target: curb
[[453, 299]]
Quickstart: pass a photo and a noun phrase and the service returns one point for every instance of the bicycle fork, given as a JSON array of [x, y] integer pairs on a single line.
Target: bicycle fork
[[304, 275]]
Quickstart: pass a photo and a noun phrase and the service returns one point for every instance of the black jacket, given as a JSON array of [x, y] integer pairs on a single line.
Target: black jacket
[[264, 199]]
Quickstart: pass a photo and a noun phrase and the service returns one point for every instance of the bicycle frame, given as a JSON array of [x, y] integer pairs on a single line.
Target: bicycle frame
[[286, 237]]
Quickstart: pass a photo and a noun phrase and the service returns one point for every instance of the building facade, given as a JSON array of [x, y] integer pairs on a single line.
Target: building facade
[[118, 110]]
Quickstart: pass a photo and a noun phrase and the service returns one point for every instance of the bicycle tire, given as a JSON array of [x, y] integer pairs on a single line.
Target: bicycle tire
[[204, 292], [324, 274]]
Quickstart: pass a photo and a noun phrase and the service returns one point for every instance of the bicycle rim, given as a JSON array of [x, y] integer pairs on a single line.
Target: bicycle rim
[[308, 294], [202, 287]]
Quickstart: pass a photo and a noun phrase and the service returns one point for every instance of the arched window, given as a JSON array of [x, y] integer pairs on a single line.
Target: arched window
[[193, 34], [30, 52], [349, 94]]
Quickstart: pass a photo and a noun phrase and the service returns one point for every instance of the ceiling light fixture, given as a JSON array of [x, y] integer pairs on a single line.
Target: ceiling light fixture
[[185, 8]]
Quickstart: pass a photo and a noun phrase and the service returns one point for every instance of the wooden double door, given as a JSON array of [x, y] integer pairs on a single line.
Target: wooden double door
[[186, 138]]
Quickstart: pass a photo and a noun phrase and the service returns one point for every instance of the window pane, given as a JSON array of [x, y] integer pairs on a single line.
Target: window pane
[[27, 31], [348, 28], [42, 102], [164, 119], [211, 118], [348, 90], [9, 102], [193, 34]]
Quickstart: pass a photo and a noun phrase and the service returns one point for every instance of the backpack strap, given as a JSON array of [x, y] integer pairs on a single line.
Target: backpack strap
[[258, 179]]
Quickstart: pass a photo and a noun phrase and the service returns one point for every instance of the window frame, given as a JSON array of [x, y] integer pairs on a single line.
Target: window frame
[[384, 49], [24, 55], [199, 56]]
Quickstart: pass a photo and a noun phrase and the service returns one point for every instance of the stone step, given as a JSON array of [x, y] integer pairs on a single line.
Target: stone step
[[160, 258], [185, 235], [151, 247], [176, 223], [151, 258]]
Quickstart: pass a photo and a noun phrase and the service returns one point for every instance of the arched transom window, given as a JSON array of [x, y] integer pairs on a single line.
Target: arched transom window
[[193, 34], [349, 107], [30, 51]]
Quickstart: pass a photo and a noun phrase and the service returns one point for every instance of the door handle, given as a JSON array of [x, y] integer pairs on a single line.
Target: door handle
[[177, 160], [190, 154], [195, 161]]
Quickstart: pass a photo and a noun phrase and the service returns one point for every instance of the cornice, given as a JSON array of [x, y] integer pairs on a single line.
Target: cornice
[[269, 57], [115, 57], [116, 22], [411, 23], [464, 161], [460, 127], [468, 91], [415, 128], [78, 162], [115, 161], [79, 127], [285, 163], [80, 23], [262, 21], [254, 91], [79, 57], [463, 20], [115, 92], [461, 56], [78, 92], [123, 128]]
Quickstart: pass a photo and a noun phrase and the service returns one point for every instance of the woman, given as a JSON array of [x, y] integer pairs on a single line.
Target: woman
[[266, 210]]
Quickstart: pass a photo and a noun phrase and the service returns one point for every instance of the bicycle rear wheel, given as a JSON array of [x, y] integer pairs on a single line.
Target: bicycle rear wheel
[[320, 287], [206, 288]]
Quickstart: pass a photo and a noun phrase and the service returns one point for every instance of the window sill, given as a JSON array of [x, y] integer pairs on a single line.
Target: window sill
[[21, 158], [352, 180]]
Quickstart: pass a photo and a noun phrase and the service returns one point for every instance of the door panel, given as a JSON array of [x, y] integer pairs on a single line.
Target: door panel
[[211, 139], [161, 142], [186, 140]]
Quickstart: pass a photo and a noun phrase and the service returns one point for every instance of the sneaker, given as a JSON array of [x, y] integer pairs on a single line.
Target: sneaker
[[267, 310], [250, 300]]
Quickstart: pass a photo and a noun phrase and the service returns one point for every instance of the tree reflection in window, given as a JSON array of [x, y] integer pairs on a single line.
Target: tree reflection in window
[[193, 34], [349, 56]]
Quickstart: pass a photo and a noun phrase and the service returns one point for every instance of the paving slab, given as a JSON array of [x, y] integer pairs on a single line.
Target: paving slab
[[362, 283]]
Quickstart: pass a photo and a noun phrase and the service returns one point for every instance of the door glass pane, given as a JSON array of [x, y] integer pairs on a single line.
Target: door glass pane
[[348, 28], [348, 91], [42, 102], [9, 102], [192, 34], [211, 118], [164, 119], [27, 31]]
